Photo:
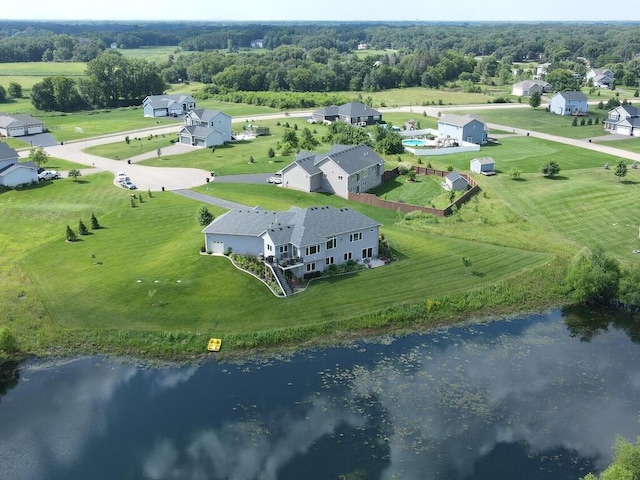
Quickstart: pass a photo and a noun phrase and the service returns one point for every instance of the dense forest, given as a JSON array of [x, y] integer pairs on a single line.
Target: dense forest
[[319, 57]]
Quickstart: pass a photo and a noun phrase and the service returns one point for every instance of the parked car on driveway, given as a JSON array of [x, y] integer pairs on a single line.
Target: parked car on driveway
[[129, 184], [48, 175], [276, 178]]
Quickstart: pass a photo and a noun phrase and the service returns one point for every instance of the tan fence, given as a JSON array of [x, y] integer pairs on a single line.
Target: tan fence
[[369, 199]]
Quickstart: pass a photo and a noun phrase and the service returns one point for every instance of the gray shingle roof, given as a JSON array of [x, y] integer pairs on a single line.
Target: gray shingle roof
[[164, 101], [6, 152], [484, 160], [197, 131], [205, 114], [251, 222], [357, 109], [352, 159], [573, 96], [459, 120], [298, 226]]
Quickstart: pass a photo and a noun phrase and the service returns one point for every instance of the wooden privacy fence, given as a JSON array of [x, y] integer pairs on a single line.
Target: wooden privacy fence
[[369, 199]]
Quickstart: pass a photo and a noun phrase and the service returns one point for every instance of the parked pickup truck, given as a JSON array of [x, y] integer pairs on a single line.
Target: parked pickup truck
[[275, 178], [48, 175]]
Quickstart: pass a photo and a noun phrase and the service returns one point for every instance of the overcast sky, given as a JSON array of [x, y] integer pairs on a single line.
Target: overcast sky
[[345, 10]]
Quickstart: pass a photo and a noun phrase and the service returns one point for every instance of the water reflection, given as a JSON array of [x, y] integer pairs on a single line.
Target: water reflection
[[522, 395]]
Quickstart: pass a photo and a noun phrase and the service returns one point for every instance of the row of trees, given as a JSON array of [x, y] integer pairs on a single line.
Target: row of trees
[[112, 80]]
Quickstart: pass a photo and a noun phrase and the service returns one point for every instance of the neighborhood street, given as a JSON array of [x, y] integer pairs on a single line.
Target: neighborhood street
[[172, 178]]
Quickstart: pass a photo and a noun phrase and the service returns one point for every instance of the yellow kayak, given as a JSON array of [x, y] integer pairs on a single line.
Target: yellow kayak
[[214, 344]]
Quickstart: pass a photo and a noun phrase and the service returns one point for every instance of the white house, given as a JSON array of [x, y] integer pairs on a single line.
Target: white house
[[205, 128], [14, 173], [601, 77], [18, 125], [526, 88], [541, 70], [463, 128], [455, 182], [344, 169], [171, 105], [301, 240], [623, 120], [569, 103], [485, 165]]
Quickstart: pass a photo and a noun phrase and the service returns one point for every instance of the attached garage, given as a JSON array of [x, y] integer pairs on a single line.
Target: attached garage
[[217, 247], [35, 128], [19, 125]]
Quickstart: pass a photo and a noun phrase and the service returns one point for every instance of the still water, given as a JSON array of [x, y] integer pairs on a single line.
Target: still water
[[540, 397]]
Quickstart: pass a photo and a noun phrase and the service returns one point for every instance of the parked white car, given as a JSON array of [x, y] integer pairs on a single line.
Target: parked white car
[[49, 175], [275, 178]]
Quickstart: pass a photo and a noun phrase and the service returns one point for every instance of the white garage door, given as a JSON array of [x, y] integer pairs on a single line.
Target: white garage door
[[33, 129], [624, 130], [217, 247]]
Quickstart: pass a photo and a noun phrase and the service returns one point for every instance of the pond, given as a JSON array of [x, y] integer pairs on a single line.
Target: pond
[[537, 397]]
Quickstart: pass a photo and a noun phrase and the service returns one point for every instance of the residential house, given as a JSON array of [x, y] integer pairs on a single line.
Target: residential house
[[353, 113], [344, 169], [485, 165], [569, 103], [205, 128], [463, 128], [601, 77], [258, 43], [541, 70], [173, 105], [301, 240], [14, 173], [623, 120], [527, 87], [453, 181], [18, 125]]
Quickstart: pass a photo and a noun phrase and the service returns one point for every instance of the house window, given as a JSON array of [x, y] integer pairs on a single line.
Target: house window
[[339, 177], [311, 266], [355, 237], [312, 250], [329, 261], [283, 248], [367, 252], [269, 247], [357, 177], [331, 243], [347, 256]]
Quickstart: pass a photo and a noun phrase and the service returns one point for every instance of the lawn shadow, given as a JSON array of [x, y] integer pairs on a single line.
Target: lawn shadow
[[629, 182], [81, 182], [557, 177], [474, 273]]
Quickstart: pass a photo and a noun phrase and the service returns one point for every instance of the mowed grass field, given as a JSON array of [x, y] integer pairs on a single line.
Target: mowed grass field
[[143, 272]]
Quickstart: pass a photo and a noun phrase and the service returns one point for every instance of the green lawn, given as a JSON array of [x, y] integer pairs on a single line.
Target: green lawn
[[424, 191], [137, 145], [539, 120], [631, 144]]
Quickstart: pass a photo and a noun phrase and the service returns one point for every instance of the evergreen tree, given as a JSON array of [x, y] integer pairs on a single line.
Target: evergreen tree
[[70, 235], [94, 222], [82, 228], [205, 217], [621, 170]]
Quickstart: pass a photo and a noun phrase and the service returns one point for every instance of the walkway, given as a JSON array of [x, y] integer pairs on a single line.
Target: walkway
[[201, 197]]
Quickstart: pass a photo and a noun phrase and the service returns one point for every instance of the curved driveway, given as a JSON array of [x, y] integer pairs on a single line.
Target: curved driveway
[[171, 178]]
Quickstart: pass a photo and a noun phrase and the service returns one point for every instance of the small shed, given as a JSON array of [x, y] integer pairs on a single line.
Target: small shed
[[484, 165], [455, 181]]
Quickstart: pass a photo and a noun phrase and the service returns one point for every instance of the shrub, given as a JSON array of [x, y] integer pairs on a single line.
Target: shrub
[[205, 217], [82, 228], [404, 168], [8, 343]]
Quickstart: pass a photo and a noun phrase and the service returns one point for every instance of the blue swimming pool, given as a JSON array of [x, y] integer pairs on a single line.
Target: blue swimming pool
[[414, 142]]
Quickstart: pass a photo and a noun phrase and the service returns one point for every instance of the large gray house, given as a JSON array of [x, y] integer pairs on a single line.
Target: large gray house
[[301, 240], [344, 169], [205, 128], [353, 113], [172, 105], [569, 103], [623, 120], [463, 128]]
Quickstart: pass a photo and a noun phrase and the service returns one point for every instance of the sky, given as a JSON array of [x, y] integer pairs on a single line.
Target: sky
[[321, 10]]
